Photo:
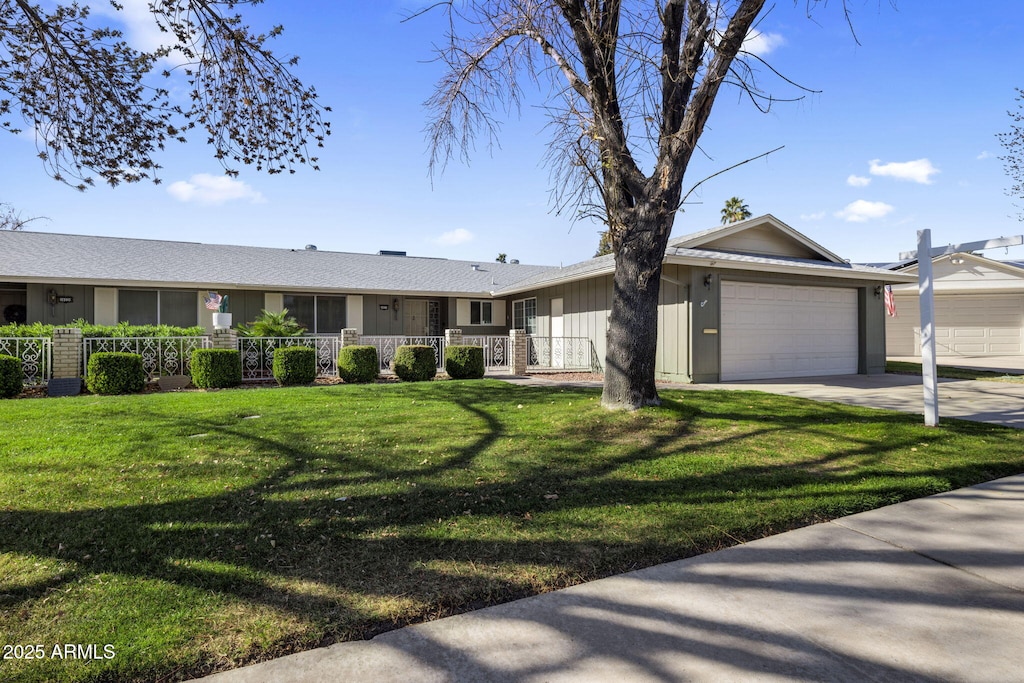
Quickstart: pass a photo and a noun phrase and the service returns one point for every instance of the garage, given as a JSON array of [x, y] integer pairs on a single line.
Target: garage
[[775, 331], [966, 325]]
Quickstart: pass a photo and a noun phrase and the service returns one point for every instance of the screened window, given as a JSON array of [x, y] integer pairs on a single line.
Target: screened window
[[178, 308], [318, 314], [480, 313], [303, 309], [138, 307], [524, 315]]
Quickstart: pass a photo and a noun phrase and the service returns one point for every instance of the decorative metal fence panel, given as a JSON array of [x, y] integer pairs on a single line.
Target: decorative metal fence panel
[[497, 350], [561, 353], [35, 354], [387, 345], [258, 354], [161, 356]]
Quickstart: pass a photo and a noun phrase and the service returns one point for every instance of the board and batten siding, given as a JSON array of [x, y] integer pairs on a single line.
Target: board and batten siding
[[586, 306]]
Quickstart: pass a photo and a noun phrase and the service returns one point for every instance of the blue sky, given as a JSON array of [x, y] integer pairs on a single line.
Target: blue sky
[[901, 137]]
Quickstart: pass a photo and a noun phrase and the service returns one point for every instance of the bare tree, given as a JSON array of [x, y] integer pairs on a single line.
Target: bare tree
[[98, 107], [1013, 141], [11, 219], [633, 84]]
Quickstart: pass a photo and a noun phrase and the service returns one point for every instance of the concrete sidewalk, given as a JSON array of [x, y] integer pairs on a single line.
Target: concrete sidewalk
[[928, 590]]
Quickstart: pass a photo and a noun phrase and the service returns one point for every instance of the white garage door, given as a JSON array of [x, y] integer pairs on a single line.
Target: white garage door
[[965, 325], [771, 331]]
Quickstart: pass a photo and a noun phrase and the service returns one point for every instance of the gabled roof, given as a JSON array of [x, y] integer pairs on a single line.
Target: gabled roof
[[118, 261], [696, 249], [1012, 267], [716, 237]]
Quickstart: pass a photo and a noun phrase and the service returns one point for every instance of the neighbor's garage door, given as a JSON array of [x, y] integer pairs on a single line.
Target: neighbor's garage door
[[965, 325], [771, 331]]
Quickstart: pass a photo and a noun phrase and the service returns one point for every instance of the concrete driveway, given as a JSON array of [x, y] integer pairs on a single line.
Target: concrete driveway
[[981, 401]]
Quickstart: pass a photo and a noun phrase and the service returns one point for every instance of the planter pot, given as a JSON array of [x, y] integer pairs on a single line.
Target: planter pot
[[221, 321]]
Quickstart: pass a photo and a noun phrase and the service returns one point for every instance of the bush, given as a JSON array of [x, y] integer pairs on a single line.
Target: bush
[[216, 368], [414, 363], [464, 362], [11, 379], [269, 324], [294, 365], [113, 372], [358, 364], [90, 330]]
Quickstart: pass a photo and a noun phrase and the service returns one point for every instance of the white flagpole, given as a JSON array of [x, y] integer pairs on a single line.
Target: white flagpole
[[925, 288]]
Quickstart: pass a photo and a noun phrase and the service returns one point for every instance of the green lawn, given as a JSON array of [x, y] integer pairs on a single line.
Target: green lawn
[[199, 531], [951, 372]]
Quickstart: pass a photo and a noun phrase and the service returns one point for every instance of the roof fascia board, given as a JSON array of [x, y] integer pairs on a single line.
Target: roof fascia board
[[794, 269]]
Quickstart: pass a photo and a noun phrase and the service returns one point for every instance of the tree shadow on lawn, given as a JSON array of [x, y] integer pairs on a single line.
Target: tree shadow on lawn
[[453, 542]]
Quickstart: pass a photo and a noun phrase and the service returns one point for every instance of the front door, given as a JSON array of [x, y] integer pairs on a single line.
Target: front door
[[417, 323]]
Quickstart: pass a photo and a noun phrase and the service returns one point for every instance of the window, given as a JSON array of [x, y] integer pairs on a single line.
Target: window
[[480, 313], [164, 307], [524, 315], [318, 314]]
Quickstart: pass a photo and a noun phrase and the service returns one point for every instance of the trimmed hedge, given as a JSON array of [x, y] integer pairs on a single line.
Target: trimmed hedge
[[414, 363], [216, 368], [113, 372], [11, 378], [90, 330], [294, 365], [358, 364], [464, 362]]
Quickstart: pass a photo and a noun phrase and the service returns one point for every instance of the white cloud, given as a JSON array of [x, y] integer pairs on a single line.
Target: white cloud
[[918, 171], [985, 155], [862, 211], [454, 237], [762, 44], [858, 181], [203, 188], [812, 216]]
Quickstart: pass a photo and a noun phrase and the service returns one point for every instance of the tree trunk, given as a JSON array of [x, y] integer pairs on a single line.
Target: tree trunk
[[633, 325]]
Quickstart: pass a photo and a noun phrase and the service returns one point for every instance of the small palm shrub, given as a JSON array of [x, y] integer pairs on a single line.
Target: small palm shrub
[[216, 368], [464, 362], [11, 381], [294, 365], [269, 324], [414, 363], [113, 372], [358, 363]]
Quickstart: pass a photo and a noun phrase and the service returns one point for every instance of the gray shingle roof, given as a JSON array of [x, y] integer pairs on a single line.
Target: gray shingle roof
[[32, 256]]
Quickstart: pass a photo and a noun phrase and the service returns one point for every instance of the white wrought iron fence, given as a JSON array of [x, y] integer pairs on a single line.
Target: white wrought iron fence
[[387, 345], [161, 356], [561, 353], [258, 354], [35, 354], [497, 350]]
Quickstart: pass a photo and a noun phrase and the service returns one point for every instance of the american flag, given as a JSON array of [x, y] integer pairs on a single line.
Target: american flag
[[213, 301], [890, 302]]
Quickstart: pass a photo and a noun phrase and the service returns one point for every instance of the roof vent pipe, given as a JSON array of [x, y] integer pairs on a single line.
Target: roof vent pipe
[[310, 247], [514, 262], [475, 266]]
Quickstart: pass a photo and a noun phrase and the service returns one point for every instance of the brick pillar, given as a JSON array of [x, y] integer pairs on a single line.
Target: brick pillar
[[349, 337], [67, 353], [453, 337], [519, 353], [225, 339]]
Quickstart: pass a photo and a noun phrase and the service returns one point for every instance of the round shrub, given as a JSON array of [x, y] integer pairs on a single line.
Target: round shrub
[[216, 368], [464, 362], [11, 381], [294, 365], [414, 363], [358, 364], [113, 372]]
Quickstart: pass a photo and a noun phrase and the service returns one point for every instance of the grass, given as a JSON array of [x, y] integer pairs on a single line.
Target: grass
[[952, 372], [199, 531]]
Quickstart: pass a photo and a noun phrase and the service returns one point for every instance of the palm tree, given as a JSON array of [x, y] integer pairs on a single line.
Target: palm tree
[[735, 210], [269, 324]]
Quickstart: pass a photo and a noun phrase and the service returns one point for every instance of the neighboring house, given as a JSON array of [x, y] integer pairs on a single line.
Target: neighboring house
[[750, 300], [979, 308]]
